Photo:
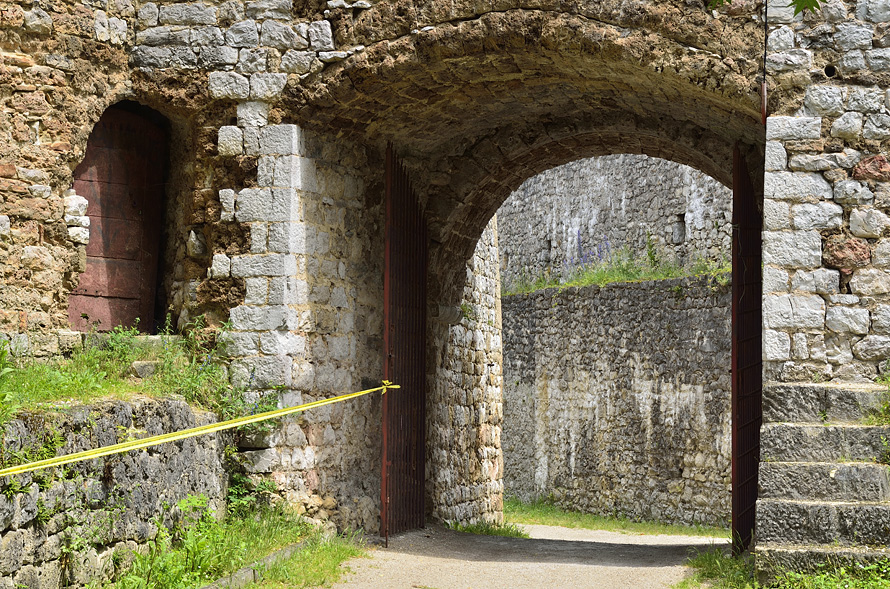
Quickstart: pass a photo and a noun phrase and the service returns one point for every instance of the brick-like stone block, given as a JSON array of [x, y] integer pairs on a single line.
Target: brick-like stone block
[[821, 281], [776, 346], [796, 186], [825, 100], [847, 126], [281, 36], [797, 249], [253, 204], [793, 312], [281, 140], [282, 343], [250, 318], [872, 348], [228, 85], [243, 34], [230, 141], [263, 265], [822, 215], [187, 14], [847, 320], [253, 114], [870, 282], [793, 128], [320, 36], [868, 222], [267, 86], [220, 266], [263, 9], [852, 192]]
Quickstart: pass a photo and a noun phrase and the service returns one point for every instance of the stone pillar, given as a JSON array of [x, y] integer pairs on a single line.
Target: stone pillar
[[827, 193]]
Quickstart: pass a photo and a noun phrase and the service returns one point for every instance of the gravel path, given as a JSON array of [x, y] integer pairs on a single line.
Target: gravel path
[[439, 558]]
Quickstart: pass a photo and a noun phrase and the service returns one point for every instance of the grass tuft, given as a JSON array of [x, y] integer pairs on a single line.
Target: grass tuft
[[544, 511], [505, 529]]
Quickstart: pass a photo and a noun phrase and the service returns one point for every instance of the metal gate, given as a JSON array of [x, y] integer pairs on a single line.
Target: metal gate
[[122, 178], [404, 358], [747, 373]]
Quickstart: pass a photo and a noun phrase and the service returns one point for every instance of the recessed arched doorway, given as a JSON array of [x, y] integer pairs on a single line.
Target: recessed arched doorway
[[122, 177]]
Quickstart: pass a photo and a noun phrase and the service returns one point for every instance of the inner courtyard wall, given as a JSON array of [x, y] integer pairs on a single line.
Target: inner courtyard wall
[[577, 213], [617, 399]]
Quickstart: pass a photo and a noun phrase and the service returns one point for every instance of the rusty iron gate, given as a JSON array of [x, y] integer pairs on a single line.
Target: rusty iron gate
[[404, 357], [122, 178], [747, 374]]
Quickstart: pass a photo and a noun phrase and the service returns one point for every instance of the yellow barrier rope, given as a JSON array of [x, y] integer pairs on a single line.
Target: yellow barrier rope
[[186, 433]]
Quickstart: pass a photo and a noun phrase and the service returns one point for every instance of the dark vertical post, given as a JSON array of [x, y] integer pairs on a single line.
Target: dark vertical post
[[747, 368]]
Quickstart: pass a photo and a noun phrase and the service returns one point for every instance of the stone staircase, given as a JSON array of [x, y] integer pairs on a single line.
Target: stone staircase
[[822, 493]]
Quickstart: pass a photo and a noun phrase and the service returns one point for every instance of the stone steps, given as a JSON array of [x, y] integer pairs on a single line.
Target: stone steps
[[822, 493], [828, 481]]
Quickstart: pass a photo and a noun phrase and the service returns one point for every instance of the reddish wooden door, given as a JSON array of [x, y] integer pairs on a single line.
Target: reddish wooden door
[[747, 366], [122, 178]]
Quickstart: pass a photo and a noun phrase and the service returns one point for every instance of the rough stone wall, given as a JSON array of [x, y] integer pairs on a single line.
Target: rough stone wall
[[827, 193], [578, 212], [617, 399], [465, 408], [64, 529]]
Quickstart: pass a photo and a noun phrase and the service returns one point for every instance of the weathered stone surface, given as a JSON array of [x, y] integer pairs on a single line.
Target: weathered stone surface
[[872, 348], [847, 126], [873, 168], [870, 282], [846, 252], [823, 215], [846, 319], [793, 128], [799, 249], [229, 85], [851, 192], [868, 222], [796, 186]]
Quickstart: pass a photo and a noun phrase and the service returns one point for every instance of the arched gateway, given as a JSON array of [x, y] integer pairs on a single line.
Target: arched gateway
[[280, 117]]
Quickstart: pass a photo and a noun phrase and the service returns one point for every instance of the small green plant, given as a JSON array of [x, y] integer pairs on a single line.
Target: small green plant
[[467, 311], [489, 529], [823, 416], [7, 405], [884, 456]]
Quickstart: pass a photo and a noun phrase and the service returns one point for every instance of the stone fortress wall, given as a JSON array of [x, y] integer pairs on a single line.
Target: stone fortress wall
[[578, 211], [617, 399]]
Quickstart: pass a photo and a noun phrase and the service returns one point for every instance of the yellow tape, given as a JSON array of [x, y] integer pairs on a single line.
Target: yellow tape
[[186, 433]]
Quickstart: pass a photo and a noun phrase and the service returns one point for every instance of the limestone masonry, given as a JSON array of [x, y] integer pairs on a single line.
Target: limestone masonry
[[579, 212]]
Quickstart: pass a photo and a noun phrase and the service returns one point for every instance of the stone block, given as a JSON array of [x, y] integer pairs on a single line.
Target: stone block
[[780, 39], [793, 312], [263, 9], [262, 372], [217, 57], [774, 280], [281, 36], [227, 203], [228, 85], [267, 86], [251, 61], [281, 140], [163, 36], [299, 62], [798, 249], [776, 215], [230, 141], [822, 215], [73, 221], [79, 235], [785, 128], [261, 461], [258, 237], [852, 192], [880, 319], [320, 36], [878, 59], [147, 15], [867, 100], [163, 57], [850, 35], [252, 140], [825, 100], [870, 282], [220, 266], [876, 127], [873, 10], [796, 186], [872, 348], [75, 205], [263, 265], [38, 21], [236, 344], [868, 222], [282, 343], [847, 320], [775, 158], [253, 204], [789, 61], [5, 226], [243, 34], [187, 14], [847, 126], [250, 318], [295, 172], [852, 61], [821, 281], [776, 346], [332, 56], [265, 175], [207, 37], [253, 114]]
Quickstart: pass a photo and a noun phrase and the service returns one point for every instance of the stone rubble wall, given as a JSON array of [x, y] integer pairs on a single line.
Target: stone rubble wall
[[65, 525], [826, 252], [579, 211], [465, 466], [617, 399]]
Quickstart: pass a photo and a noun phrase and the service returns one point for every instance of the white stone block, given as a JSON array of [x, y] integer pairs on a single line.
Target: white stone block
[[220, 266], [821, 215], [77, 221], [263, 265], [267, 86], [320, 36], [5, 226], [776, 346], [820, 281], [781, 39], [865, 99], [852, 192], [793, 128], [253, 204], [796, 249], [774, 280], [872, 348], [75, 205], [79, 235], [880, 319], [799, 348], [868, 222], [227, 202], [281, 140], [776, 215], [796, 186], [824, 100], [880, 255], [877, 126], [228, 85], [258, 235], [776, 157], [870, 282], [253, 114], [230, 141], [847, 126], [847, 320]]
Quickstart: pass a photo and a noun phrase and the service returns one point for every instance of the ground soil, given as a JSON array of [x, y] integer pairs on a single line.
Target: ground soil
[[439, 558]]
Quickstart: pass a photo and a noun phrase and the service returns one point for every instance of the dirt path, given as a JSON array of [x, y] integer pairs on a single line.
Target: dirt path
[[439, 558]]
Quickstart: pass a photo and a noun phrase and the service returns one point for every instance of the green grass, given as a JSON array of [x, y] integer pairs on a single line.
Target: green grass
[[714, 568], [508, 530], [316, 564], [622, 266], [200, 549], [545, 512]]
